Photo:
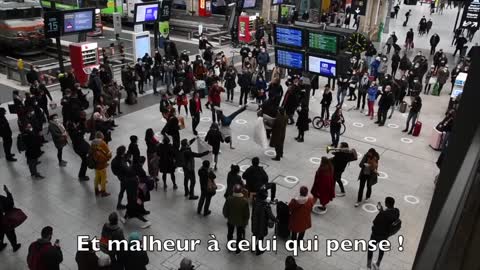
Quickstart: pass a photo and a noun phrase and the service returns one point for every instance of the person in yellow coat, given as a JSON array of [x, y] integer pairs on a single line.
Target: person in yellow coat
[[101, 154]]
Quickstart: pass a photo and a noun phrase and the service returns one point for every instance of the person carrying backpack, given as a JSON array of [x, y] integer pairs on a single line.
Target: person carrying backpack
[[100, 155], [42, 255], [386, 223]]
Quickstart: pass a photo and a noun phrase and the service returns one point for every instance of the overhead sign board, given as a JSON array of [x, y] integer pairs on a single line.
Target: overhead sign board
[[52, 24], [165, 8], [146, 12], [359, 7], [471, 14], [76, 21]]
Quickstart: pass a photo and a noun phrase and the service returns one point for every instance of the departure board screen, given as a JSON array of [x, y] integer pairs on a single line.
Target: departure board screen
[[288, 36], [290, 59], [78, 21], [322, 66], [322, 42]]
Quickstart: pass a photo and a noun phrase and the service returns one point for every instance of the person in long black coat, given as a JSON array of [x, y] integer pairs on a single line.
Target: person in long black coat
[[135, 260], [172, 129], [76, 131], [278, 133], [6, 134], [302, 122], [166, 154], [204, 173], [33, 143], [290, 102], [262, 215], [7, 204], [214, 138]]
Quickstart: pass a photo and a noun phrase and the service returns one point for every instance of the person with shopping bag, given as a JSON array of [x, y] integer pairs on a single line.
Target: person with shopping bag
[[10, 218]]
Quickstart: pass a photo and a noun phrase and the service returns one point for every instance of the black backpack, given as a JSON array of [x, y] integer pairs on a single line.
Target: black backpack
[[395, 227]]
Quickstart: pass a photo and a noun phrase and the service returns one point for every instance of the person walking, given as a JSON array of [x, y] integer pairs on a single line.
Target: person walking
[[237, 212], [396, 8], [415, 108], [172, 129], [302, 122], [364, 84], [336, 125], [384, 104], [407, 16], [6, 134], [188, 167], [33, 151], [207, 177], [195, 111], [101, 154], [262, 216], [323, 188], [325, 102], [434, 40], [42, 254], [166, 155], [459, 44], [341, 157], [6, 205], [119, 168], [279, 128], [381, 229], [59, 137], [368, 174], [300, 214]]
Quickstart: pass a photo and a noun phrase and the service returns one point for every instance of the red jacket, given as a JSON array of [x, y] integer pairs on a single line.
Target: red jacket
[[324, 186], [300, 214], [214, 94]]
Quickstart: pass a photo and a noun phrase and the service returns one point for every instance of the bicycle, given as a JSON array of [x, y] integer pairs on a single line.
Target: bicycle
[[320, 123]]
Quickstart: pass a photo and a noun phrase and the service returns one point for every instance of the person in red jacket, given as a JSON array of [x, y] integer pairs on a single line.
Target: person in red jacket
[[214, 99], [300, 217], [323, 188]]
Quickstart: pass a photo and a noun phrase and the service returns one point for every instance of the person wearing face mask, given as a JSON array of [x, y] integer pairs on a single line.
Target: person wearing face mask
[[384, 104], [263, 59], [442, 76], [59, 137], [251, 60], [33, 150], [364, 84], [244, 51], [372, 93]]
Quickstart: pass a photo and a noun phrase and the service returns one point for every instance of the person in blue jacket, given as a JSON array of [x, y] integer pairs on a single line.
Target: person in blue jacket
[[372, 94]]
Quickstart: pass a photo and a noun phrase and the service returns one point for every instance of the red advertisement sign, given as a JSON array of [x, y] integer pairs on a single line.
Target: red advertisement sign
[[204, 8], [244, 29]]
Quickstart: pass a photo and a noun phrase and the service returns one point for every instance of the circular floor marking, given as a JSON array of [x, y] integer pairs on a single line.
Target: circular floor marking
[[406, 140], [411, 199], [370, 139], [270, 153], [241, 121], [393, 126], [291, 179], [357, 124], [344, 182], [243, 137], [206, 119], [244, 168], [315, 160], [179, 170], [316, 210], [202, 133], [382, 175], [220, 187], [369, 207]]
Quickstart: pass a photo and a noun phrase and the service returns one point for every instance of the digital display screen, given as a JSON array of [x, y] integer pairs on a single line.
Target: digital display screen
[[322, 42], [289, 36], [78, 21], [323, 66], [142, 45], [146, 13], [277, 2], [290, 59], [249, 3]]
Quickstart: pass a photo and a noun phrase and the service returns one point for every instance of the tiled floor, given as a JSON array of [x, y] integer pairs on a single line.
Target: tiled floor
[[72, 208]]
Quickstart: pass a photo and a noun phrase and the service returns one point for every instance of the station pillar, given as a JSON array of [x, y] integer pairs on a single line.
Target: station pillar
[[192, 7], [374, 20]]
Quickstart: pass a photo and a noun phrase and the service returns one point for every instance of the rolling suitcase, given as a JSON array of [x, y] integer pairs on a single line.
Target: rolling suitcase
[[283, 216], [436, 139], [403, 107], [417, 128]]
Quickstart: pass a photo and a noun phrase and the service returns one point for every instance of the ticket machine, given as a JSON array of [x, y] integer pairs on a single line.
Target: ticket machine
[[84, 58]]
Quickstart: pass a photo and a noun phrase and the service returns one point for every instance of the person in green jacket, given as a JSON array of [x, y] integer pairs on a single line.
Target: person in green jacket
[[237, 213]]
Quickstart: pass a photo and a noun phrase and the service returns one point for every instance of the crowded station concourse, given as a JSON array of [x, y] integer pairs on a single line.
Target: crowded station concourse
[[223, 142]]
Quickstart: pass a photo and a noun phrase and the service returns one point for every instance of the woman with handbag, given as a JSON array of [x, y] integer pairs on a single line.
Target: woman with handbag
[[323, 188], [368, 174], [59, 137], [7, 216]]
